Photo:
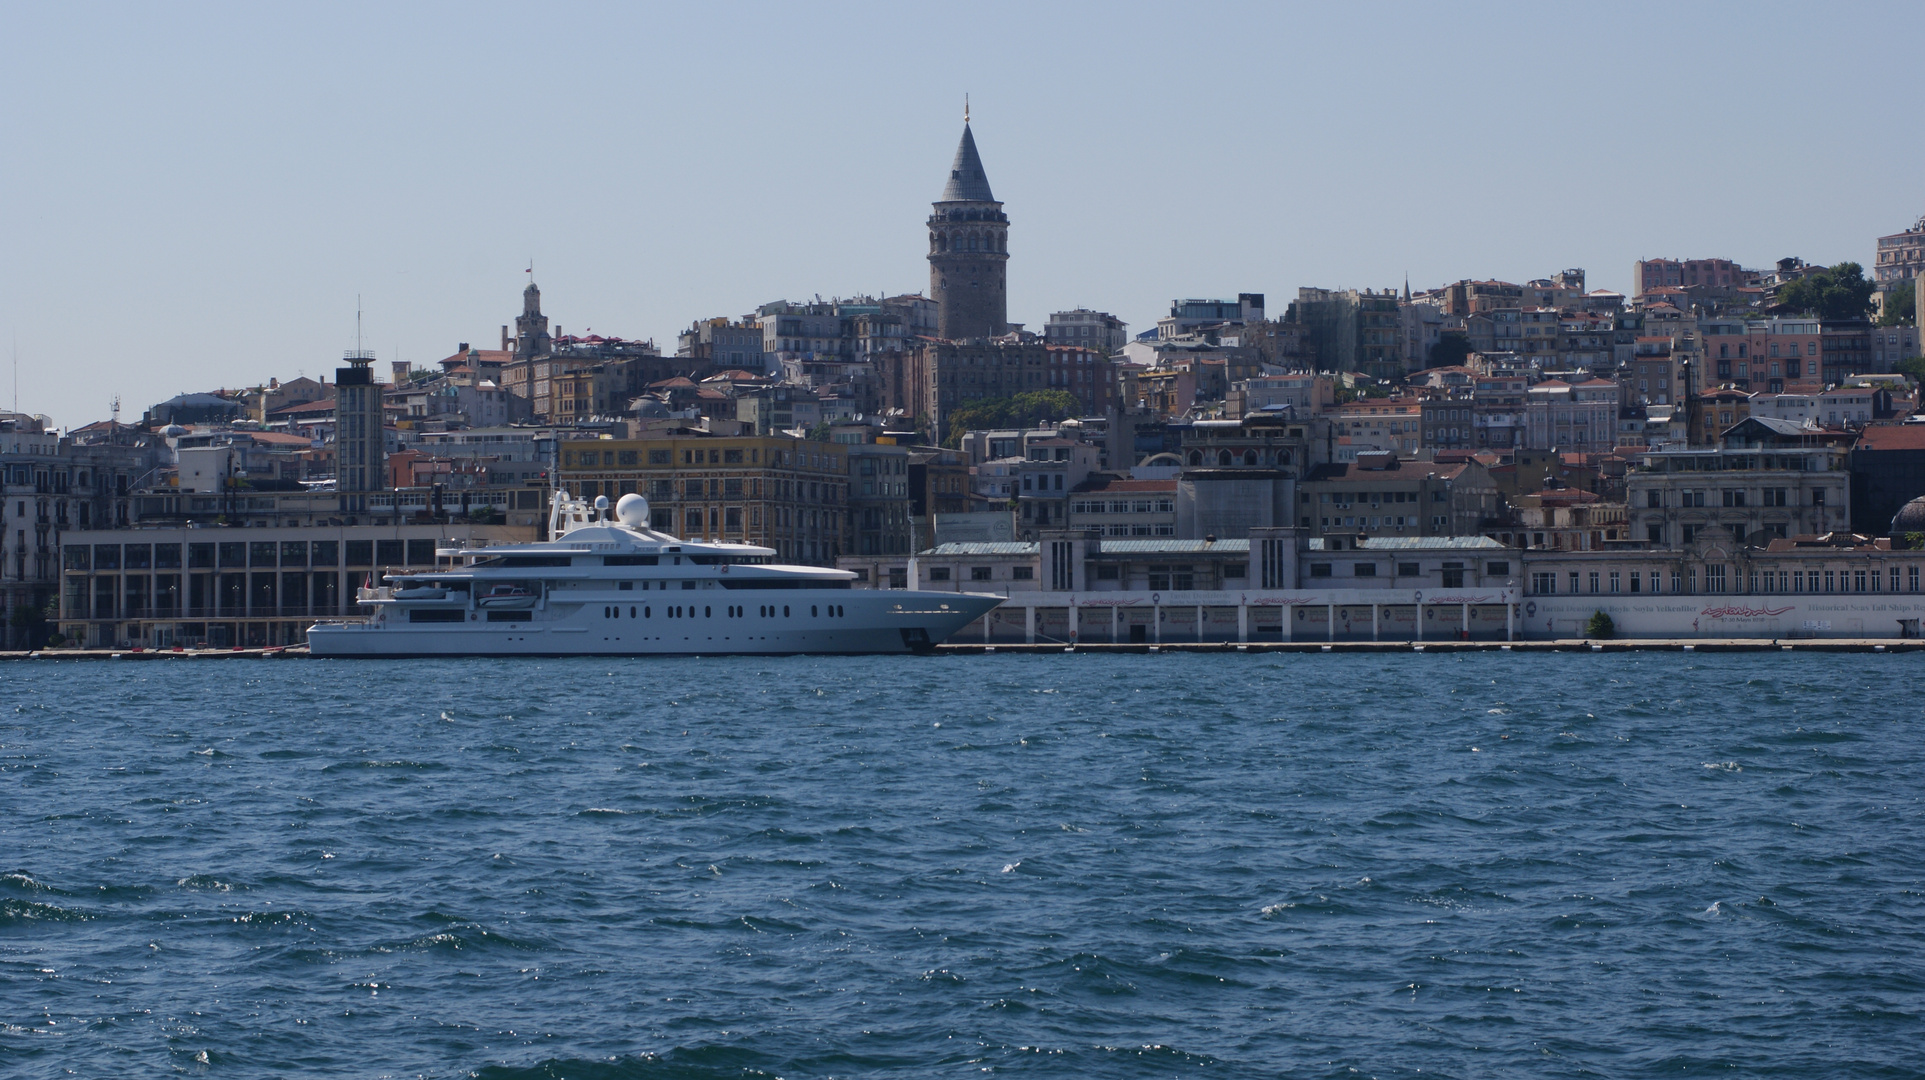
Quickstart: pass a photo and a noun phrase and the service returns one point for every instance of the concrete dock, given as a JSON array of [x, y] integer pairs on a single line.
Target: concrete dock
[[1615, 645], [1680, 645]]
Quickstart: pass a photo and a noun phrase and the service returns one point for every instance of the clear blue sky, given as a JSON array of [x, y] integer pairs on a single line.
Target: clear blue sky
[[193, 195]]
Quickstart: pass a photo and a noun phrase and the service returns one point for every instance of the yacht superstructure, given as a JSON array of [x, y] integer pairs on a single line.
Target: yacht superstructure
[[606, 587]]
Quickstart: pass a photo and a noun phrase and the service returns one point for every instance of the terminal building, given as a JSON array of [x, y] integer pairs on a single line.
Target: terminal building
[[160, 587]]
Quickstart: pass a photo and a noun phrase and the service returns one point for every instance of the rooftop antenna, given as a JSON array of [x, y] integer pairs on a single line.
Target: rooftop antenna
[[16, 371], [357, 324]]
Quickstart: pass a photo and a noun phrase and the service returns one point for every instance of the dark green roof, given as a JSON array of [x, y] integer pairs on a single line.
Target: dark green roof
[[967, 181]]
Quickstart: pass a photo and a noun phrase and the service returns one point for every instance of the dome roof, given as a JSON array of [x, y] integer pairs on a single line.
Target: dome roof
[[1910, 517]]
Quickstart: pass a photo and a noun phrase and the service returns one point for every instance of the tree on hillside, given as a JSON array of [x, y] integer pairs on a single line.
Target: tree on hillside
[[1018, 411], [1836, 292], [1900, 305]]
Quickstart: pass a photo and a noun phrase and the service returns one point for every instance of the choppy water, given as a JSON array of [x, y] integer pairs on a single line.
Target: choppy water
[[1634, 865]]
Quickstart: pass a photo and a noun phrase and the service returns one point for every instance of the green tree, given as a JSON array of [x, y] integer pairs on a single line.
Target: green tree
[[1912, 366], [1451, 350], [1600, 626], [1836, 292], [820, 432], [1900, 306], [1017, 411]]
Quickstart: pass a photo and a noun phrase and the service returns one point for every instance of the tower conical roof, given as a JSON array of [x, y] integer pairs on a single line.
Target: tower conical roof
[[967, 182]]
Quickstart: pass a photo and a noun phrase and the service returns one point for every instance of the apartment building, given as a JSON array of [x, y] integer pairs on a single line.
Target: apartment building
[[788, 494], [1768, 479]]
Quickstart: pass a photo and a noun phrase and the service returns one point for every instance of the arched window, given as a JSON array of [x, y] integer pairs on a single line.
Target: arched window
[[1249, 457], [1196, 457], [1223, 457]]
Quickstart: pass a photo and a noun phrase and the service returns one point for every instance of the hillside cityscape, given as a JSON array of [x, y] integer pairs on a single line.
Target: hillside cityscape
[[1725, 449]]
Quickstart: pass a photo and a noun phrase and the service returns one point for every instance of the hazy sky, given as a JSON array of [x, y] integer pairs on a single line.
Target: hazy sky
[[192, 195]]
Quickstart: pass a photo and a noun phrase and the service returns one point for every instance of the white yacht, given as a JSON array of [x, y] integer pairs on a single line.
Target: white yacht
[[618, 588]]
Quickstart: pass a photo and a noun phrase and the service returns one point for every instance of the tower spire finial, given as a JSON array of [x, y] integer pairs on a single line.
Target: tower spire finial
[[965, 106]]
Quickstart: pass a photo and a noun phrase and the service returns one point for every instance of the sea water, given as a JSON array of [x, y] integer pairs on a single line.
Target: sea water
[[1114, 866]]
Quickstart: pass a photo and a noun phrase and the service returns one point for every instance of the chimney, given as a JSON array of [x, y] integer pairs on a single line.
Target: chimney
[[463, 347]]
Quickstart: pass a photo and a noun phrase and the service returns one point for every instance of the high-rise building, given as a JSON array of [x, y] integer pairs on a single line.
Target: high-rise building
[[360, 440], [968, 251]]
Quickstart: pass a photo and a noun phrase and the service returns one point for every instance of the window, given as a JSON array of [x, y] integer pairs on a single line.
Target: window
[[1497, 569], [1653, 533], [1574, 581], [1614, 581], [1774, 496], [1022, 573], [1714, 579], [1817, 496], [1364, 569], [390, 552], [1636, 580], [979, 573], [939, 573], [1543, 583], [731, 457], [1319, 569], [658, 457], [1594, 581], [1733, 496], [1654, 499], [1409, 569]]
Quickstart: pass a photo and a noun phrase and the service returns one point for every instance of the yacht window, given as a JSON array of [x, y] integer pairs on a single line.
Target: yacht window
[[705, 613], [785, 611], [645, 611], [631, 612], [812, 611], [687, 584], [625, 586]]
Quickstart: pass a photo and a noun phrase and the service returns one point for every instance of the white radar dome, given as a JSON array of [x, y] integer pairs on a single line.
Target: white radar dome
[[632, 510], [601, 502]]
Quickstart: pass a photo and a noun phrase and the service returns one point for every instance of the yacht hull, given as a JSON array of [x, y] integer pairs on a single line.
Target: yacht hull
[[870, 622]]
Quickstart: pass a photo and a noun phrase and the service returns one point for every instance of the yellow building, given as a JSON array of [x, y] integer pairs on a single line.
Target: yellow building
[[788, 494]]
